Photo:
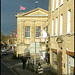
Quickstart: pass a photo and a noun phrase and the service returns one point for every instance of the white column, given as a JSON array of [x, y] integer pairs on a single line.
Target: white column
[[56, 29], [53, 6], [52, 27], [68, 21], [61, 21]]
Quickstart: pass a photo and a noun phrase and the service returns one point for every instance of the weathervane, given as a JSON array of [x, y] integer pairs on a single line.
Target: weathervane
[[36, 3]]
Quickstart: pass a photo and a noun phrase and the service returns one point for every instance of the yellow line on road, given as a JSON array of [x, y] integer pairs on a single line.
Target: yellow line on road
[[9, 66]]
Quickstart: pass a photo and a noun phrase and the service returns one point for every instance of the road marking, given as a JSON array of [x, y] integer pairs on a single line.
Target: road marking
[[9, 66], [17, 64]]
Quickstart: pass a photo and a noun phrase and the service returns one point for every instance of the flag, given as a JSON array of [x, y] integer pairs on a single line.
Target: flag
[[22, 8], [41, 39], [44, 34], [15, 34]]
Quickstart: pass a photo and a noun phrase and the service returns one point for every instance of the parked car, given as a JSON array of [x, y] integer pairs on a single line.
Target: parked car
[[4, 52]]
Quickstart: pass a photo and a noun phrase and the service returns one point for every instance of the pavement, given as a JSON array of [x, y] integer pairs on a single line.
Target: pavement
[[16, 66], [20, 71]]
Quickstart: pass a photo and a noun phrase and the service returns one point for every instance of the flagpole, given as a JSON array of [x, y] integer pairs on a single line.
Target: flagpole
[[36, 3], [20, 9]]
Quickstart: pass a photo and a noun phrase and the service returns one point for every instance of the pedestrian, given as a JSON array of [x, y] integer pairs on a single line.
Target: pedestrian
[[24, 61], [40, 69], [46, 60]]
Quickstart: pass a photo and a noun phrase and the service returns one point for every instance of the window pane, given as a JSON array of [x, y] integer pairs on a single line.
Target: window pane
[[56, 3], [37, 35], [61, 16], [47, 29], [25, 28], [38, 31], [25, 34], [52, 27], [28, 28], [56, 26], [38, 28], [27, 31], [53, 6], [61, 1], [68, 21], [28, 34]]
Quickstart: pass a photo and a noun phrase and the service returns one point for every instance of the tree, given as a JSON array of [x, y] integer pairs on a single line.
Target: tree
[[4, 38]]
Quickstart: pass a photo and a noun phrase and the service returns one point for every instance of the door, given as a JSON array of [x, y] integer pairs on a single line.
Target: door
[[70, 65], [72, 70]]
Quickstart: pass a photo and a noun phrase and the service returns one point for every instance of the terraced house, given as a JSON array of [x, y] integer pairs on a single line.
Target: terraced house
[[29, 27], [61, 18]]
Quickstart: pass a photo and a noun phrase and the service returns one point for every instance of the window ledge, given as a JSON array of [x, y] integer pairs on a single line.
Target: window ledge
[[27, 37], [69, 33], [56, 8], [52, 36], [61, 35], [37, 37], [52, 11], [55, 35], [61, 4]]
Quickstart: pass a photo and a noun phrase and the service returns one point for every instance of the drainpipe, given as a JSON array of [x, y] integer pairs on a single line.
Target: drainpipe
[[35, 48], [22, 33], [59, 48]]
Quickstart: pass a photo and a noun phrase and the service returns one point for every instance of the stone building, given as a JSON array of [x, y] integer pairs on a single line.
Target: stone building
[[29, 27], [12, 42], [61, 18]]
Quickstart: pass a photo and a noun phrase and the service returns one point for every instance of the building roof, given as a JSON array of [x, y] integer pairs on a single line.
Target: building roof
[[35, 12]]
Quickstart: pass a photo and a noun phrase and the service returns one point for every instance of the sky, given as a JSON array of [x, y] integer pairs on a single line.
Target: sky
[[9, 8]]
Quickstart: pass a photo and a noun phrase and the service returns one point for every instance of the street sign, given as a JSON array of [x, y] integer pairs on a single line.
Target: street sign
[[34, 47], [37, 47]]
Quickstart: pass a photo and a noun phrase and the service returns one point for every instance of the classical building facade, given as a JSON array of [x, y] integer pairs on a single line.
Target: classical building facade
[[29, 28], [61, 18]]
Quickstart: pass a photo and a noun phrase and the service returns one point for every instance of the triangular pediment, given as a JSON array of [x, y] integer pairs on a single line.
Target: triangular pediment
[[35, 12]]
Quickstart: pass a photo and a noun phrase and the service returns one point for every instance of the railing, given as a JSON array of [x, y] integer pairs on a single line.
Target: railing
[[22, 55]]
